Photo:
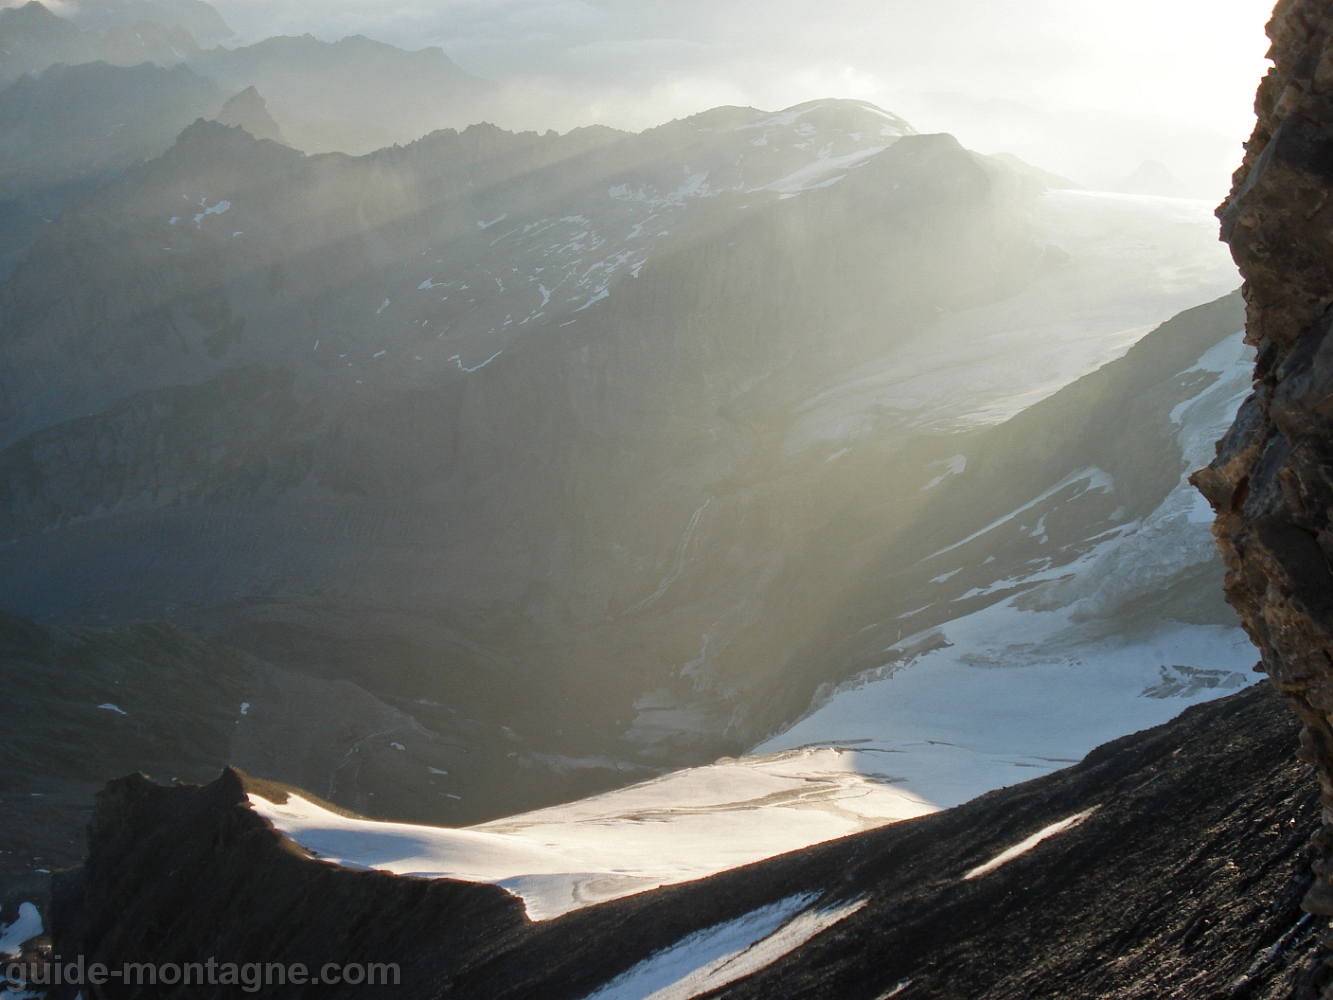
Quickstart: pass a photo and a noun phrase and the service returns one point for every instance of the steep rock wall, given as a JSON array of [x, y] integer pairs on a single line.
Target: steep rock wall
[[1272, 481]]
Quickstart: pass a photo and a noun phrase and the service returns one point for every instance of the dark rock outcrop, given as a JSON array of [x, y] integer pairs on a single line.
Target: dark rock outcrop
[[90, 703], [1185, 881], [1272, 481]]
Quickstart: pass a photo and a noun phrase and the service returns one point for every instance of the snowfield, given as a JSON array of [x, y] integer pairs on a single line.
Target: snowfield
[[1017, 694], [991, 697], [686, 825]]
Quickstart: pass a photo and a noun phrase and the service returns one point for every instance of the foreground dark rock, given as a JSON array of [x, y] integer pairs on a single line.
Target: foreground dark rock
[[1186, 882], [1272, 481]]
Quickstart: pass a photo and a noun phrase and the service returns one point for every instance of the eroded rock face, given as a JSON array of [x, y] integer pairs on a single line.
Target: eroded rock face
[[1272, 481]]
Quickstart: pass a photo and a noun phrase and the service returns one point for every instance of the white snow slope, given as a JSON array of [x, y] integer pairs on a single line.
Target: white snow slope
[[683, 826]]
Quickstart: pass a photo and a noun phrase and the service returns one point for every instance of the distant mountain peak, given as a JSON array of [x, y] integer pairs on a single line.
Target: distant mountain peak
[[354, 95], [32, 10], [248, 110], [33, 37], [34, 18]]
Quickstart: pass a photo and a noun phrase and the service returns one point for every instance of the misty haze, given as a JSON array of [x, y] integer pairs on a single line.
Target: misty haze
[[655, 500]]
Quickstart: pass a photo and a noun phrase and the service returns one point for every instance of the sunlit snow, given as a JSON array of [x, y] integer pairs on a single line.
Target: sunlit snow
[[1014, 695], [1034, 682], [683, 826], [816, 174]]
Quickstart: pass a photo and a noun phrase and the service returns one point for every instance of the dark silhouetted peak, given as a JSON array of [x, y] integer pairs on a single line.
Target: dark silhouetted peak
[[247, 110], [204, 141]]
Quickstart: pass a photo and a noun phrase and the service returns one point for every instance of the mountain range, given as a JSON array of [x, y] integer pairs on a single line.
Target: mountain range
[[97, 87], [294, 364], [506, 468], [354, 95], [514, 513]]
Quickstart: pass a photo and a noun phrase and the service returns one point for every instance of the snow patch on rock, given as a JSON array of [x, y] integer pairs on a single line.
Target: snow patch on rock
[[710, 959]]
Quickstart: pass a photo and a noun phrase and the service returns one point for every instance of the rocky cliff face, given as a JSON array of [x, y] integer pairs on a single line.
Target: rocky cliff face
[[1272, 481]]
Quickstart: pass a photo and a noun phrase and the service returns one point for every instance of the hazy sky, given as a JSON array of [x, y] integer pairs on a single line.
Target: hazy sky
[[1090, 88]]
